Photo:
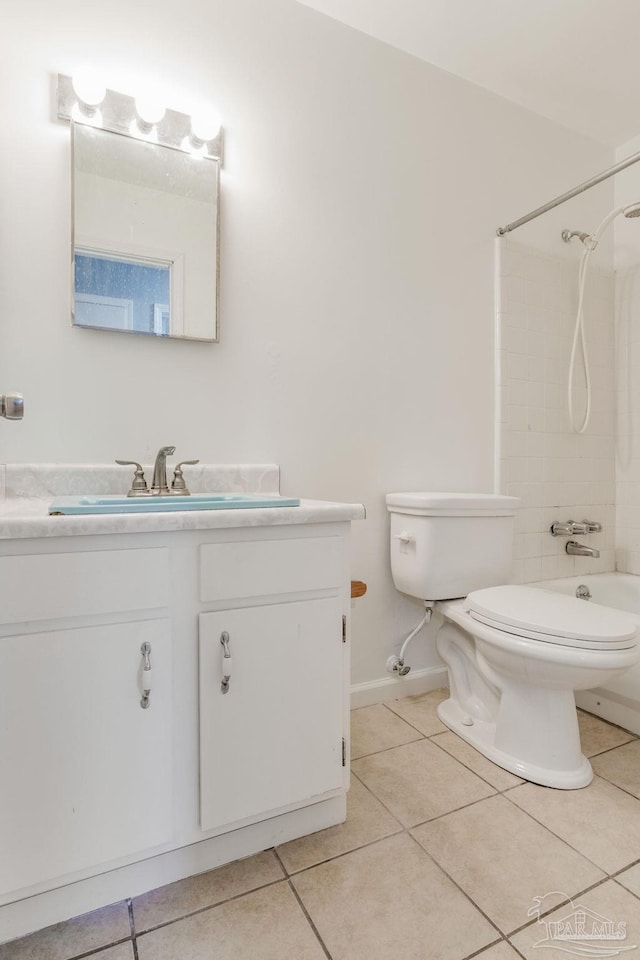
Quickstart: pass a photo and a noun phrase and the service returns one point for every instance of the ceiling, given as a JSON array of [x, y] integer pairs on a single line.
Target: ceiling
[[574, 61]]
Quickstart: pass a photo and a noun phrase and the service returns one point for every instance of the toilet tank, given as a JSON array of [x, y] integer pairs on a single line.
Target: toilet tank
[[444, 545]]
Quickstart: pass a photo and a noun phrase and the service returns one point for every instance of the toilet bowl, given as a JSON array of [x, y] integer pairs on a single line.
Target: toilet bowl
[[514, 654]]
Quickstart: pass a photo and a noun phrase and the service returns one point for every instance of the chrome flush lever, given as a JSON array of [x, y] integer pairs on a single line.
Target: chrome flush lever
[[226, 662], [145, 650]]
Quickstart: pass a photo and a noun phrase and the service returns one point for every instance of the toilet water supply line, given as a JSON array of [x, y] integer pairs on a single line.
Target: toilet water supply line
[[396, 664]]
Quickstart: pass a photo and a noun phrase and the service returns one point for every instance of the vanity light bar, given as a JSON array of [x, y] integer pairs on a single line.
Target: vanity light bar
[[117, 113]]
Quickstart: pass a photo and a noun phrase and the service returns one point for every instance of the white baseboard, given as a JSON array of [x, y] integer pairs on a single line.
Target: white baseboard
[[391, 688], [608, 705]]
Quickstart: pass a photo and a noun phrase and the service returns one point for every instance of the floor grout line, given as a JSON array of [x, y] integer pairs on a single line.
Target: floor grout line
[[132, 925], [309, 920], [515, 949], [97, 953], [210, 906], [617, 873], [375, 797], [563, 903], [563, 840], [462, 891], [470, 769]]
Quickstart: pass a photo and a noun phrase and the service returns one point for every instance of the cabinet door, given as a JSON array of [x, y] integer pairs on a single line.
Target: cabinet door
[[275, 738], [85, 772]]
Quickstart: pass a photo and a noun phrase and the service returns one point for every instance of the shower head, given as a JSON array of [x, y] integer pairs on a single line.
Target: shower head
[[631, 211]]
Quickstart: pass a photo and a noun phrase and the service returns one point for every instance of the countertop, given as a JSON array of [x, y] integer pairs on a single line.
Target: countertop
[[30, 488]]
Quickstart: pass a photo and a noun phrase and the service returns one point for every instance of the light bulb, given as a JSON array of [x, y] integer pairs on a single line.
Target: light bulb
[[88, 87], [150, 109], [205, 125]]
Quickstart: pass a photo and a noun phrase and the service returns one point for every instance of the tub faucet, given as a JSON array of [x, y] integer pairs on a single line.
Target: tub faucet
[[575, 549], [159, 486]]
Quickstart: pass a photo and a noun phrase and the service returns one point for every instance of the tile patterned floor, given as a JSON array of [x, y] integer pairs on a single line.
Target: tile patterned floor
[[444, 856]]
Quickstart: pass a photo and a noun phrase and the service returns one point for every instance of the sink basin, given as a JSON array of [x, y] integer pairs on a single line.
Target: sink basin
[[197, 501]]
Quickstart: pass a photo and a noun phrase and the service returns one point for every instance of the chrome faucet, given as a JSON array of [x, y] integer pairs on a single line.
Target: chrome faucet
[[575, 549], [159, 486]]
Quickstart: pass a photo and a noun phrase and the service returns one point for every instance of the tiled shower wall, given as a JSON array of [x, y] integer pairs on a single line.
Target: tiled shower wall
[[628, 420], [557, 474]]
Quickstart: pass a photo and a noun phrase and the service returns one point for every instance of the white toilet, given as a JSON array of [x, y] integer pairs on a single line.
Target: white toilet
[[515, 654]]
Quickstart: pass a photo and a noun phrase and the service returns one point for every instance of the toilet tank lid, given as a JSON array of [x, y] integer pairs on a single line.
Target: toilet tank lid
[[453, 504]]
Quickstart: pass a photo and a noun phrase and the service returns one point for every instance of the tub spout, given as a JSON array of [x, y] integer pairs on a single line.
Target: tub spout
[[575, 549]]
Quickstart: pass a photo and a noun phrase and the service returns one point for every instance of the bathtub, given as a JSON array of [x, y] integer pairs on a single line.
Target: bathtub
[[619, 701]]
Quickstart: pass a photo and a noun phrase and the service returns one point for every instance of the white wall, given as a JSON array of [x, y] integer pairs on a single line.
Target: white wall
[[360, 197]]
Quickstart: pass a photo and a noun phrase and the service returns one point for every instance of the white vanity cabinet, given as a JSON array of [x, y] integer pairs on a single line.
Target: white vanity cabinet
[[101, 798]]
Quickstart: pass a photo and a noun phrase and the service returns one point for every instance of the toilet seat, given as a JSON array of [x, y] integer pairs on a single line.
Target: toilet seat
[[552, 618]]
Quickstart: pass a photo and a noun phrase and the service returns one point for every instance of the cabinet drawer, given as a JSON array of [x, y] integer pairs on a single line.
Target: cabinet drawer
[[256, 568], [52, 585]]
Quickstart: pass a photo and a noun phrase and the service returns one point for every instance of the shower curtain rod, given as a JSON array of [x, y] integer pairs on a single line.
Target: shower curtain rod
[[569, 194]]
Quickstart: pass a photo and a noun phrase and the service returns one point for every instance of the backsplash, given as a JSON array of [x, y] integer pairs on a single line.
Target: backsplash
[[557, 474], [45, 480]]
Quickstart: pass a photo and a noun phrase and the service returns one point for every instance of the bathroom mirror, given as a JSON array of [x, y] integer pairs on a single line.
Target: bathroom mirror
[[145, 237]]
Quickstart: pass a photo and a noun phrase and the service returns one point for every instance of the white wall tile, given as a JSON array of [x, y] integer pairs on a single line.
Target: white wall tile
[[558, 474]]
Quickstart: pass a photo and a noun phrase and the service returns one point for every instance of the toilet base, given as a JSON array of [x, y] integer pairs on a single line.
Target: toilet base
[[481, 735]]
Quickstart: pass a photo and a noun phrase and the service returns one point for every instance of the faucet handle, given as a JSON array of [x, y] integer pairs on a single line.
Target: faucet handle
[[592, 526], [579, 529], [558, 529], [178, 485], [139, 484]]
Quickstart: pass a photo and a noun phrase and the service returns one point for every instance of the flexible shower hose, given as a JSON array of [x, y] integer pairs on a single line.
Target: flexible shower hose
[[578, 334]]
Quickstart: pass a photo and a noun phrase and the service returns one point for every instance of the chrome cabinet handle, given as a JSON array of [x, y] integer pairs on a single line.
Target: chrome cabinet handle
[[145, 650], [226, 662]]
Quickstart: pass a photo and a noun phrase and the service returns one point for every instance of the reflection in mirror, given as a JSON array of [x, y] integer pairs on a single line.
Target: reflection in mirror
[[145, 237]]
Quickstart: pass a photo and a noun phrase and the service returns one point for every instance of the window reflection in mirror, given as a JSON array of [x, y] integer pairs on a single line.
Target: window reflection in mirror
[[121, 294], [145, 228]]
